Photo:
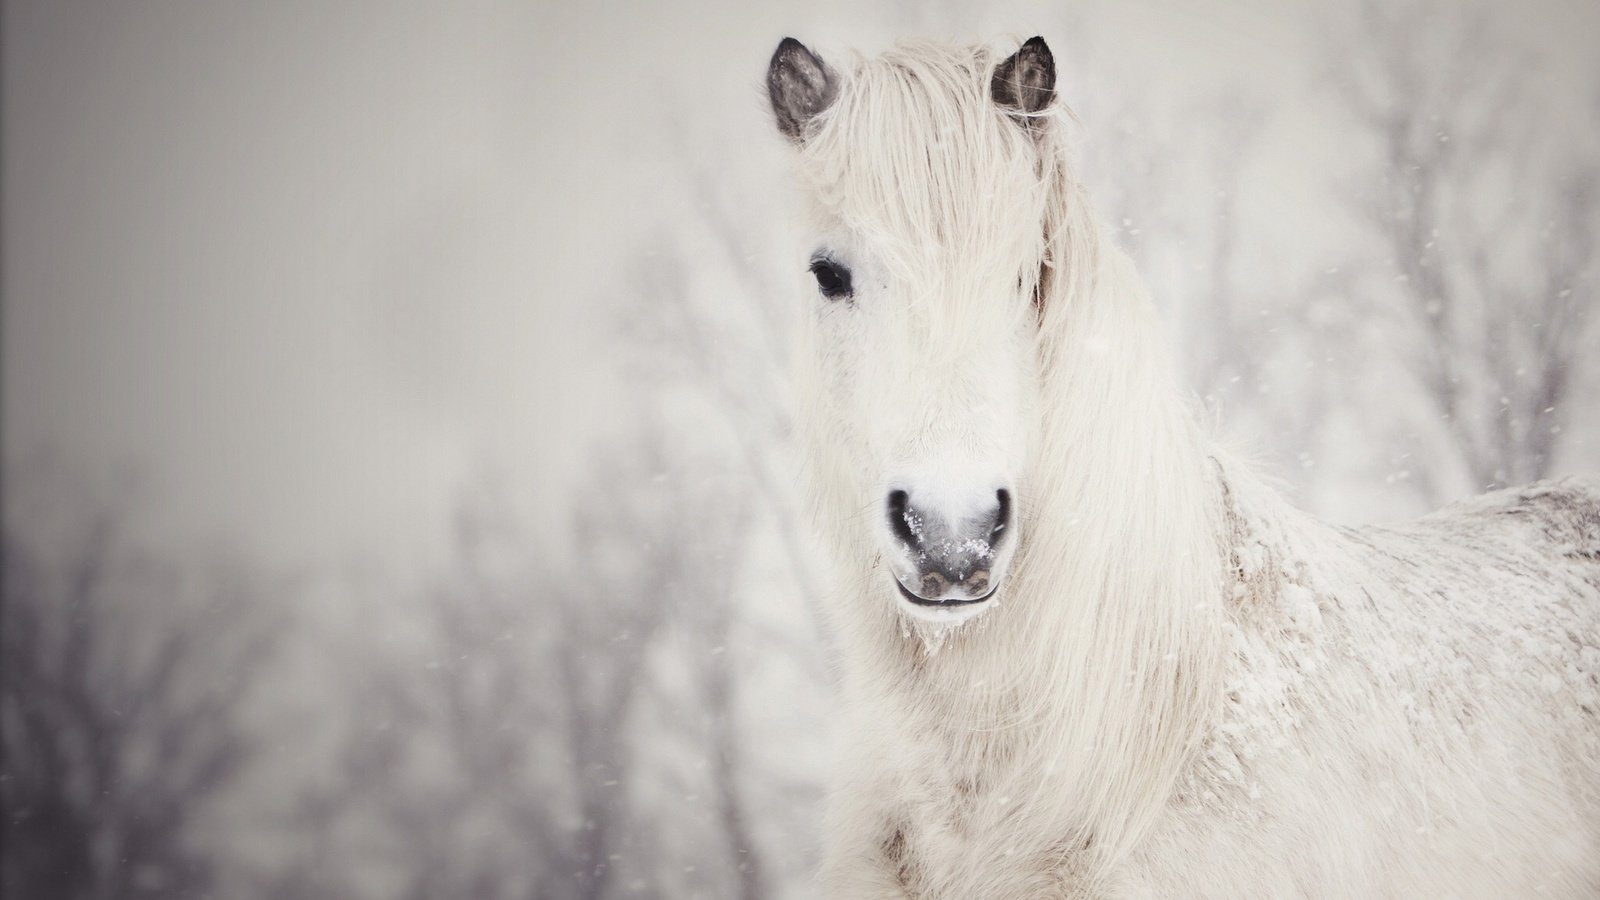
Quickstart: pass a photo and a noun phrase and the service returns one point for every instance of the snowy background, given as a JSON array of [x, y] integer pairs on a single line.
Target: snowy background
[[398, 499]]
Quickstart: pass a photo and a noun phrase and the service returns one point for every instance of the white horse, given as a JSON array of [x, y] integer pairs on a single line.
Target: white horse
[[1084, 652]]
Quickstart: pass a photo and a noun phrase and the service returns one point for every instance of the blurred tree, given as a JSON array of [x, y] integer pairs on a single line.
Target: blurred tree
[[496, 756], [119, 724], [1487, 211], [1259, 344]]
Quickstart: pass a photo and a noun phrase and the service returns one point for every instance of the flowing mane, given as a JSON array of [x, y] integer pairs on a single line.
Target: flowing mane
[[1141, 700]]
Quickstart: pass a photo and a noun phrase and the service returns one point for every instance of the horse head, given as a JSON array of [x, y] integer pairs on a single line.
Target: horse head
[[927, 193]]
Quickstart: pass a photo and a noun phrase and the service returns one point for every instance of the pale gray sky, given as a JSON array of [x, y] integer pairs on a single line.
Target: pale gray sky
[[309, 267]]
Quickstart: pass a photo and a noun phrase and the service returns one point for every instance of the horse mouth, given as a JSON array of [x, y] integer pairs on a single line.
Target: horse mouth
[[942, 604]]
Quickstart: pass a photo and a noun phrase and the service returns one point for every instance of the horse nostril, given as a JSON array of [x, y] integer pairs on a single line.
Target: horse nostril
[[902, 520], [1002, 516]]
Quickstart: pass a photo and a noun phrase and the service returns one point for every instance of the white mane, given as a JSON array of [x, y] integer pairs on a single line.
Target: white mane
[[1139, 708]]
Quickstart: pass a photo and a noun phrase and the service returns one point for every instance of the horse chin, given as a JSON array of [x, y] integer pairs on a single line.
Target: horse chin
[[949, 618]]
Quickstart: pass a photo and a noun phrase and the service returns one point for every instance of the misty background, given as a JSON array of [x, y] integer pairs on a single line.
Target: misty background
[[398, 494]]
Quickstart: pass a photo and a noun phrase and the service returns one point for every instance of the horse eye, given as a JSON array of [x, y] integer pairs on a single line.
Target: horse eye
[[832, 279]]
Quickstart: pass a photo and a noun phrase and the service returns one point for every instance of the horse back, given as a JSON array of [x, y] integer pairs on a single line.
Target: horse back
[[1542, 538]]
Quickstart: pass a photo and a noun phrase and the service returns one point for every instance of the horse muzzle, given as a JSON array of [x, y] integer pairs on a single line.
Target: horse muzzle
[[948, 559]]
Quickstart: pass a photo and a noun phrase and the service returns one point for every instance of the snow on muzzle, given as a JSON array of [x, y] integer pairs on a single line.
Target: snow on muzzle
[[948, 557]]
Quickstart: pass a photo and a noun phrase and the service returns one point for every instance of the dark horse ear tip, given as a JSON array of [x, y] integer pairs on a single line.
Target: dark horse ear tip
[[1035, 46], [800, 85], [790, 49], [1025, 81]]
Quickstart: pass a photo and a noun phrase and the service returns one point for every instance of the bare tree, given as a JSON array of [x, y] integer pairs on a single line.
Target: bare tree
[[730, 345], [1261, 344], [1488, 216], [119, 720], [711, 623], [497, 755]]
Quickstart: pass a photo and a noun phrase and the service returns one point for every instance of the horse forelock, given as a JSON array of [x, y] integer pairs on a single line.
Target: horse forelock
[[915, 158]]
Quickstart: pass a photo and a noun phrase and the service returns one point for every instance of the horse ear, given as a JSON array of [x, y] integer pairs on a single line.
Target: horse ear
[[800, 85], [1026, 82]]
